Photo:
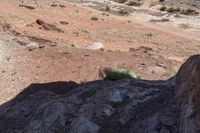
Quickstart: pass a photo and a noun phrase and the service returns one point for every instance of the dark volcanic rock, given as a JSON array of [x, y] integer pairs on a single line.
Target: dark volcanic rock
[[125, 106], [101, 106], [188, 94]]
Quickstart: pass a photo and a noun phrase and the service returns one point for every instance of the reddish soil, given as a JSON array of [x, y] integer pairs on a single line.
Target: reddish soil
[[152, 51]]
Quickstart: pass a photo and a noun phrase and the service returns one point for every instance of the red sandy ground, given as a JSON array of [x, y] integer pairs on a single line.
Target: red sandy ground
[[64, 56]]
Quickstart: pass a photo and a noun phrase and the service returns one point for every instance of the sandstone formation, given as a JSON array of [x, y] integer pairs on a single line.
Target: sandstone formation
[[124, 106]]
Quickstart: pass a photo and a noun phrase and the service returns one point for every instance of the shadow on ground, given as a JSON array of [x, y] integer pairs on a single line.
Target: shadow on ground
[[60, 88]]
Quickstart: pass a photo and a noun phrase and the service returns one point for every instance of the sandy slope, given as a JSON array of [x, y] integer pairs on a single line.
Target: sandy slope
[[152, 50]]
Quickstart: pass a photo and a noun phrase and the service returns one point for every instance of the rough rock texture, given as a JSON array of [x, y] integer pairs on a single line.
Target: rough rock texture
[[188, 94], [125, 106]]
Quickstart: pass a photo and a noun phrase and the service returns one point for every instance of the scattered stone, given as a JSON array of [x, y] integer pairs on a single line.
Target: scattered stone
[[62, 6], [94, 18], [27, 7], [64, 22], [156, 70], [54, 5], [47, 26], [161, 65], [40, 22], [33, 46], [96, 46]]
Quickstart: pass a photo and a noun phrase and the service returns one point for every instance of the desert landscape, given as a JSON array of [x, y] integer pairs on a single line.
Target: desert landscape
[[70, 47]]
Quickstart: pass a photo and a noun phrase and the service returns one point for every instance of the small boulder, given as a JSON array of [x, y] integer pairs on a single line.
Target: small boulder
[[96, 46], [32, 46], [94, 18], [40, 22]]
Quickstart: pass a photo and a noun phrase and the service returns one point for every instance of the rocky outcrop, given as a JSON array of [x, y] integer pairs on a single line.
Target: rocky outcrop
[[188, 94], [125, 106]]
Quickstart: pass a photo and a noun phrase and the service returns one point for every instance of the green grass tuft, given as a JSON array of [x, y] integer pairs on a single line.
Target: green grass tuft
[[117, 73]]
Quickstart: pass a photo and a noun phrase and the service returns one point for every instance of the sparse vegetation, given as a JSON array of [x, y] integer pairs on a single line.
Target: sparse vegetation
[[27, 7], [54, 5], [123, 12], [163, 8], [164, 20], [133, 3], [121, 1], [171, 10], [188, 11], [62, 6], [117, 73]]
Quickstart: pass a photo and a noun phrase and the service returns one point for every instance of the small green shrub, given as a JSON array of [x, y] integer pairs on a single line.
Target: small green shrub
[[117, 73], [123, 12], [189, 12], [121, 1], [171, 10], [163, 8], [165, 20]]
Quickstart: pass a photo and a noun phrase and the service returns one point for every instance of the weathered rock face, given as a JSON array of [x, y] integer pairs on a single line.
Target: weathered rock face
[[188, 94], [98, 107], [125, 106]]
